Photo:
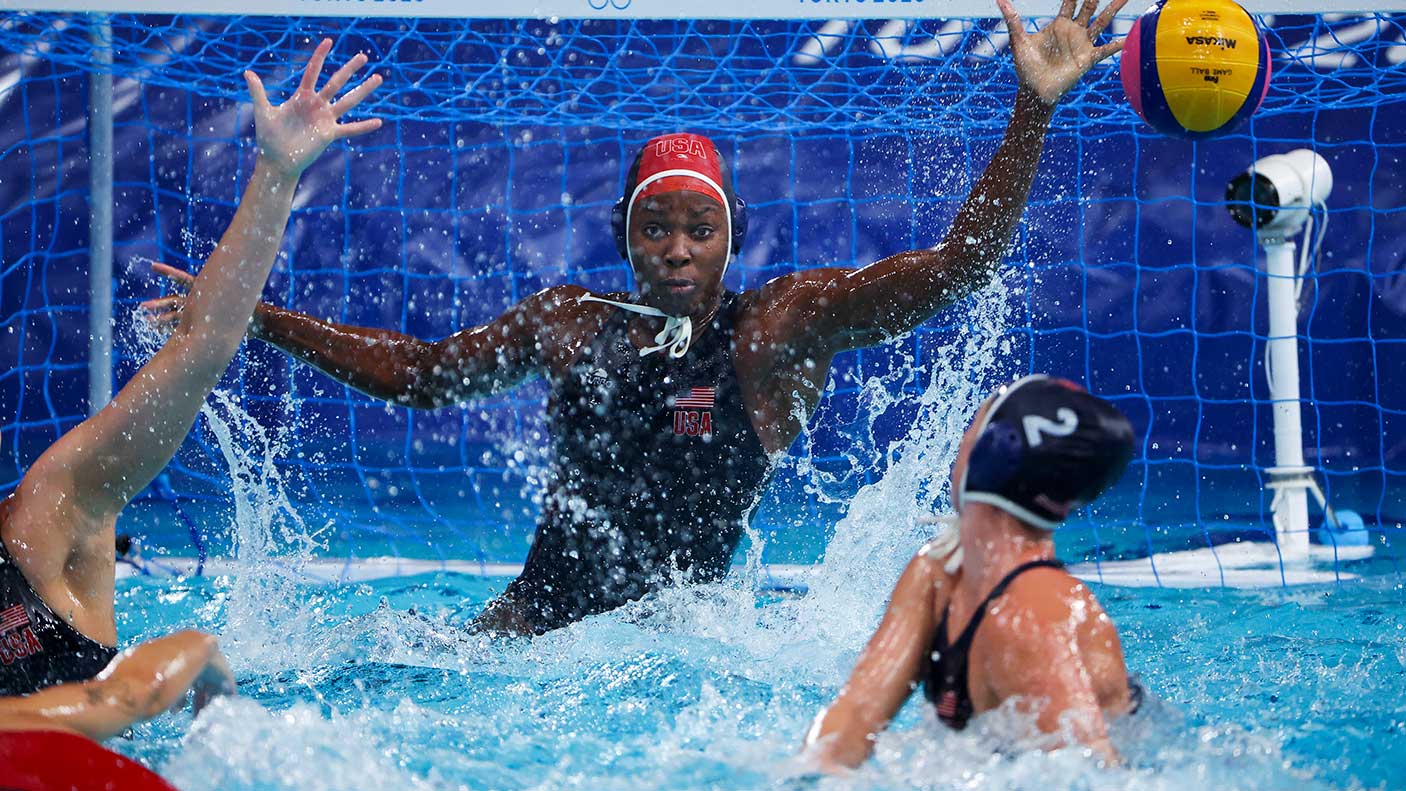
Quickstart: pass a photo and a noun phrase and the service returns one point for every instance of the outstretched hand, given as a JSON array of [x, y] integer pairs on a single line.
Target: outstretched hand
[[294, 133], [1050, 61], [164, 313], [214, 681]]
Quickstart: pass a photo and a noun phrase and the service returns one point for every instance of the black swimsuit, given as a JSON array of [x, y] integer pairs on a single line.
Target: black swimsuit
[[946, 682], [38, 649], [655, 466]]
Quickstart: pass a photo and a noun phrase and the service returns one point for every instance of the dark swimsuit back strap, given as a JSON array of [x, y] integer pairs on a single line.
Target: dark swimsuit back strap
[[963, 641]]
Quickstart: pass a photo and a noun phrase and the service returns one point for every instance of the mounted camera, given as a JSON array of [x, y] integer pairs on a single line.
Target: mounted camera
[[1274, 195]]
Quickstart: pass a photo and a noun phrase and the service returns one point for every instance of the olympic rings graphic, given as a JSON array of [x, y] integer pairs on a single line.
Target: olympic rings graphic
[[618, 5]]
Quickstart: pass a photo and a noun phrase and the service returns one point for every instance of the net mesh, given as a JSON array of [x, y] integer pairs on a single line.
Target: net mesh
[[505, 147], [723, 75]]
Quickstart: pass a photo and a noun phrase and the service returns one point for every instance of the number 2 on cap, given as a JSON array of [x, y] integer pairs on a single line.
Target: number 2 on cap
[[1035, 425]]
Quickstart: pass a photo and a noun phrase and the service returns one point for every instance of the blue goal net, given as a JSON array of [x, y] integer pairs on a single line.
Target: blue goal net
[[505, 145]]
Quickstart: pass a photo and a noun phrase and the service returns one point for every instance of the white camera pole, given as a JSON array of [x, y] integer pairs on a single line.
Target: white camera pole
[[1287, 476], [1274, 197]]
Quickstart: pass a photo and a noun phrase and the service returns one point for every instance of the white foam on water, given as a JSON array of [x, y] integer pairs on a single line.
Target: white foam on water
[[236, 745], [750, 677]]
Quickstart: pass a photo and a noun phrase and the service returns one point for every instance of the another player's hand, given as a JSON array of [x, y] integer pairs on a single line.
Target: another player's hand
[[294, 133], [1051, 60], [164, 313], [214, 682]]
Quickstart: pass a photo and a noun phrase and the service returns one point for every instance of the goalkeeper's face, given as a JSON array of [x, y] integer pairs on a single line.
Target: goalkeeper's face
[[679, 244]]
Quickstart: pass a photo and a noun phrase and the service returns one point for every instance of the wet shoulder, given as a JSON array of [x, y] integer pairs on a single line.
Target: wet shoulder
[[747, 306], [935, 560], [783, 301], [1055, 602], [763, 328], [568, 322], [1045, 601]]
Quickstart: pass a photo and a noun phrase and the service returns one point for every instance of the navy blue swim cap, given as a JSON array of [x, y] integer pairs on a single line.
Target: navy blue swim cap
[[1045, 447]]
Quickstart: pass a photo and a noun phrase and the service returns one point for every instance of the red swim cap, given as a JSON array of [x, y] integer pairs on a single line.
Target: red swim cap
[[679, 161], [48, 760]]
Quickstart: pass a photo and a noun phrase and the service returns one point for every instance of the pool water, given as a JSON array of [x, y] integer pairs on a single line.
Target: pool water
[[374, 686]]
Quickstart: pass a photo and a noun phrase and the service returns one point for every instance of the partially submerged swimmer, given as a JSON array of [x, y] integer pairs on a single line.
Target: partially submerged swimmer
[[63, 683], [58, 621], [668, 404], [985, 615]]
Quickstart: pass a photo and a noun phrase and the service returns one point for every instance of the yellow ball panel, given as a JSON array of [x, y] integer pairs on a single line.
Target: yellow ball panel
[[1207, 60]]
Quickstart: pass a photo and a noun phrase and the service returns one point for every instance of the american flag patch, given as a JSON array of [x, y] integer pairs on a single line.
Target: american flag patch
[[947, 705], [13, 618], [697, 398]]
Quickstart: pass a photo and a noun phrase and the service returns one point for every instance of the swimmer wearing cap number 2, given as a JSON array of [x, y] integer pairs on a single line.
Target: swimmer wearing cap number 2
[[984, 614], [667, 405]]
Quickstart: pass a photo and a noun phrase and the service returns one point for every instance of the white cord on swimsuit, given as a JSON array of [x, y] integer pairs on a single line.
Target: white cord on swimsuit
[[676, 336]]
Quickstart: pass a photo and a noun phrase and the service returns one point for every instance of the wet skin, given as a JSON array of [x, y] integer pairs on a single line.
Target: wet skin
[[787, 331], [59, 524], [1046, 643], [678, 252]]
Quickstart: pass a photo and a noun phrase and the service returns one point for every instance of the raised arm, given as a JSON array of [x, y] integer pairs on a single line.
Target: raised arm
[[400, 368], [887, 672], [832, 310], [138, 685], [86, 477]]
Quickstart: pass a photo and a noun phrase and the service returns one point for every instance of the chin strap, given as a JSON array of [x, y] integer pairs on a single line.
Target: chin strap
[[946, 548], [676, 336]]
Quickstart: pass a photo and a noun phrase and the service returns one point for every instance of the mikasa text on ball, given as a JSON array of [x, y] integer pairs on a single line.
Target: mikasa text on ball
[[1195, 68]]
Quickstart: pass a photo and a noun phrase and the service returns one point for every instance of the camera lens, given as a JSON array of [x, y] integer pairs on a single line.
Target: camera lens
[[1253, 200]]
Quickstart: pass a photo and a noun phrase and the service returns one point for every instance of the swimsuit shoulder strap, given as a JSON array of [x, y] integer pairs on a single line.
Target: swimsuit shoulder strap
[[939, 640], [968, 634], [724, 322]]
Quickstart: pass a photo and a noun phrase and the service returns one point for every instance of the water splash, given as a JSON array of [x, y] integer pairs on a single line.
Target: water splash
[[270, 539], [880, 531], [697, 687], [269, 622], [236, 745], [818, 636]]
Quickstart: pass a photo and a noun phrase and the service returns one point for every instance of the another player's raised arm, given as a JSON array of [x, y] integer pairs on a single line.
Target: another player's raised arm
[[843, 733], [833, 310], [95, 469]]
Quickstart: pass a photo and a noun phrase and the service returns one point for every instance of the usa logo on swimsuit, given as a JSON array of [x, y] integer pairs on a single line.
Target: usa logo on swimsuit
[[692, 412], [17, 640]]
